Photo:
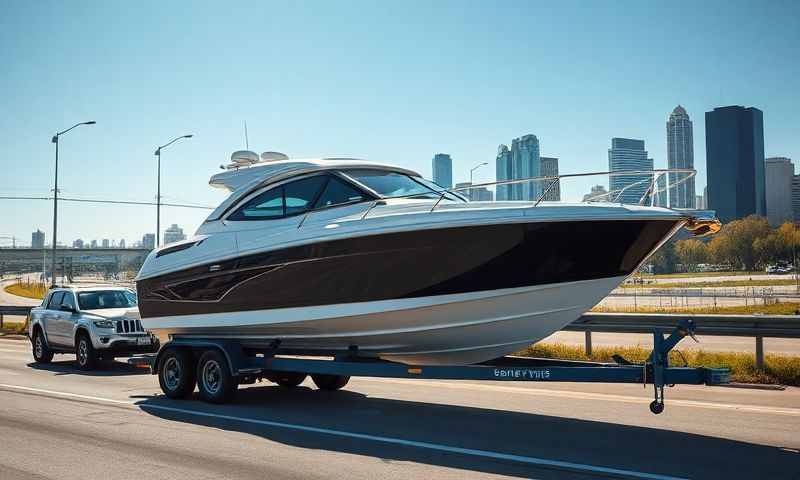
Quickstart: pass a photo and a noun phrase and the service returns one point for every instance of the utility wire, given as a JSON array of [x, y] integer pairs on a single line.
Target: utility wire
[[117, 202]]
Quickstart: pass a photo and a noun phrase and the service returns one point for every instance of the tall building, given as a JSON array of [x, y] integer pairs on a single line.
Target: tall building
[[37, 239], [461, 189], [680, 154], [598, 193], [549, 168], [149, 241], [796, 198], [522, 161], [629, 155], [175, 234], [106, 243], [699, 202], [77, 243], [442, 171], [778, 175], [122, 243], [735, 162], [503, 172], [93, 244], [660, 199]]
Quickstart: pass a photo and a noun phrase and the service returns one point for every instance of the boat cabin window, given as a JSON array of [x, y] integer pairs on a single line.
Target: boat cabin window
[[300, 195], [267, 205], [337, 192], [392, 184], [294, 198]]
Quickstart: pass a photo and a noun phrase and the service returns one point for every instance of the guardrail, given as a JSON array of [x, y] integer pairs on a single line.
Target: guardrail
[[757, 326], [13, 310]]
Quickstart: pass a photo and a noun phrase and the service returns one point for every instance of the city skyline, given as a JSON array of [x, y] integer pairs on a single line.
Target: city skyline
[[358, 111], [680, 155]]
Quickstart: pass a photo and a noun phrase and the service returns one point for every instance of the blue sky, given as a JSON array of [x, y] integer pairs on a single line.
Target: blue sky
[[389, 81]]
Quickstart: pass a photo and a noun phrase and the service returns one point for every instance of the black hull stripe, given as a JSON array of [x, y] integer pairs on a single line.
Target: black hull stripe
[[407, 265]]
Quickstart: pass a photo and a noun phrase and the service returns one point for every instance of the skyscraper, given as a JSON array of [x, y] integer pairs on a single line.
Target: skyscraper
[[37, 239], [549, 168], [106, 243], [796, 198], [598, 193], [522, 161], [175, 234], [77, 243], [503, 172], [735, 162], [149, 241], [443, 170], [660, 199], [778, 174], [680, 154], [629, 155]]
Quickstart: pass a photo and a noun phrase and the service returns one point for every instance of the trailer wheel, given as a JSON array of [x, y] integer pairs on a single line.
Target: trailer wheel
[[330, 382], [214, 379], [176, 374], [656, 407], [287, 379]]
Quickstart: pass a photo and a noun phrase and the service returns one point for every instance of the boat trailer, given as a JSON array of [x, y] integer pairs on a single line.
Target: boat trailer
[[217, 366]]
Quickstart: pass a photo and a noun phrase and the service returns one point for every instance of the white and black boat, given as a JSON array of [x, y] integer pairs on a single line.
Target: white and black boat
[[337, 255]]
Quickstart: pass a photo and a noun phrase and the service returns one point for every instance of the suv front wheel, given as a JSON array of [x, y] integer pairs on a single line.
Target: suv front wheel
[[41, 352], [85, 353]]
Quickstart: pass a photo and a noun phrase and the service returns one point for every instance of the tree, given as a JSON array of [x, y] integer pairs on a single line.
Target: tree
[[690, 253], [664, 259], [735, 243]]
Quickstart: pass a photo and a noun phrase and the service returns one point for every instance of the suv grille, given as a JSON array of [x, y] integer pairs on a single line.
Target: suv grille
[[129, 326]]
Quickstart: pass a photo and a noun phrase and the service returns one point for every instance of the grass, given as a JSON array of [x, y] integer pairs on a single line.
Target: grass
[[778, 282], [699, 274], [13, 327], [778, 369], [788, 308], [29, 290]]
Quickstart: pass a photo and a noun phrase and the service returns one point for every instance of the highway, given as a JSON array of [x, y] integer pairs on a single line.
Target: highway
[[59, 423]]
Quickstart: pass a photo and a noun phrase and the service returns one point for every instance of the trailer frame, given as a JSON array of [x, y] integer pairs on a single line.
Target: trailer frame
[[244, 362]]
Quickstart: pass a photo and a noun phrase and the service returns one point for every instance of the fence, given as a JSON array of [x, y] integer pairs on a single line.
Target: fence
[[756, 326], [12, 310]]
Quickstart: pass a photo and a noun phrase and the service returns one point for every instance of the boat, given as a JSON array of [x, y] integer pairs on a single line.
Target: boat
[[336, 256]]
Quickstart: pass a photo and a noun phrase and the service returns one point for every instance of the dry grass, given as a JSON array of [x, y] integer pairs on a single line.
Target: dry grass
[[788, 308], [777, 282], [700, 274], [778, 369], [30, 290]]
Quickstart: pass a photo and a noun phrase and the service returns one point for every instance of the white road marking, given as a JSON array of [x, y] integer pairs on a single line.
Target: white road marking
[[794, 412], [541, 462]]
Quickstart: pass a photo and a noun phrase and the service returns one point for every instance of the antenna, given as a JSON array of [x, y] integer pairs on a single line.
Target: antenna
[[246, 141]]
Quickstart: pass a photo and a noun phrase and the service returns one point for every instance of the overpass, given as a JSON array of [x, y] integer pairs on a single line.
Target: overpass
[[73, 261]]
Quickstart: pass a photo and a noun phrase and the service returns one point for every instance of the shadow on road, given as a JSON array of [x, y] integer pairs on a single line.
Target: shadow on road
[[652, 450], [103, 369]]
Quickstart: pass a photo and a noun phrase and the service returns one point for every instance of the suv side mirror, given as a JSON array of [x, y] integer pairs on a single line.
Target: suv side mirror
[[67, 308]]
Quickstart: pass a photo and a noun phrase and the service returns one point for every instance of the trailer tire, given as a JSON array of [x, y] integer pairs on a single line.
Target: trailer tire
[[176, 373], [214, 380], [287, 379], [330, 382]]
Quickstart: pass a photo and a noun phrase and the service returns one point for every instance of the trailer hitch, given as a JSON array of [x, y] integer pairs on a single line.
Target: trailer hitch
[[658, 361]]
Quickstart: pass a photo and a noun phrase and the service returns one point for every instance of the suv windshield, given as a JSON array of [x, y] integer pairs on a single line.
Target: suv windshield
[[100, 299], [391, 184]]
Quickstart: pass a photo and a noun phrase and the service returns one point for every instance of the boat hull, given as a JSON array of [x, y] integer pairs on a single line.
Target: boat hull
[[454, 295], [458, 329]]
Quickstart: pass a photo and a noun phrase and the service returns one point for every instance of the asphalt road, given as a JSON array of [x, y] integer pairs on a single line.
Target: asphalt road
[[57, 422]]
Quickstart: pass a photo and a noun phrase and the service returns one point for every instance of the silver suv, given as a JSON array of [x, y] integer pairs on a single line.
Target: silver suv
[[94, 323]]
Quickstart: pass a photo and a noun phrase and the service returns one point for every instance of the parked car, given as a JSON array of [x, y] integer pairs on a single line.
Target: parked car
[[94, 323]]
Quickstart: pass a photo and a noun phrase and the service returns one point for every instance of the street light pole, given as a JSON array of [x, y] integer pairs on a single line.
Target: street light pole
[[470, 177], [158, 187], [55, 201]]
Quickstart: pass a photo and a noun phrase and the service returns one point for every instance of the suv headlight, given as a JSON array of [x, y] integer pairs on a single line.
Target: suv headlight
[[104, 324]]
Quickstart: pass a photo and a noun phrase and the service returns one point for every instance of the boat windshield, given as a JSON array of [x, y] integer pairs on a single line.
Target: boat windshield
[[99, 299], [392, 184]]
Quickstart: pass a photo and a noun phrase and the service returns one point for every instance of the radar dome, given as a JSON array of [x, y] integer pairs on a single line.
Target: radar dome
[[244, 157], [273, 156]]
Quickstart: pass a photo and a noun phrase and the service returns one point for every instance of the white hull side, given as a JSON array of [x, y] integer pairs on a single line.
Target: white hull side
[[456, 329]]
